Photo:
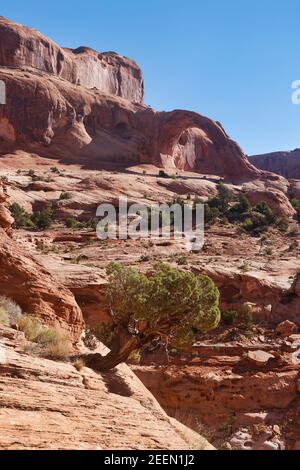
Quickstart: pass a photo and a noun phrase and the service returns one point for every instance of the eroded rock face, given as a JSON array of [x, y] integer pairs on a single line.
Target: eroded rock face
[[85, 106], [108, 72], [275, 198], [65, 409], [29, 284], [286, 164], [198, 144], [248, 398]]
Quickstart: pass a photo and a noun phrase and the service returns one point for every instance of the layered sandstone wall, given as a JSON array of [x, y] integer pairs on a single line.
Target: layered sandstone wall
[[65, 409], [87, 105], [109, 72], [286, 164]]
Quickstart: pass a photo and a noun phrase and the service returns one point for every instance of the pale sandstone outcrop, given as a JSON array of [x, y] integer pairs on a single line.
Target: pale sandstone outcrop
[[66, 409], [29, 284], [286, 164]]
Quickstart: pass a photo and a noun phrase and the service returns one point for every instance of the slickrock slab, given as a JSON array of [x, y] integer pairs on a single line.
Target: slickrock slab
[[49, 405]]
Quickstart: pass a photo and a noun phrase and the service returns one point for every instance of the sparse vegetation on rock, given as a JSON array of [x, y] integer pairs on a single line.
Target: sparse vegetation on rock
[[50, 342], [37, 220], [251, 219], [169, 306]]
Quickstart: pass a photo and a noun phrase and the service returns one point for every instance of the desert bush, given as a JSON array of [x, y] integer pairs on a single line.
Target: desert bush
[[246, 317], [65, 195], [245, 267], [144, 258], [253, 220], [3, 317], [242, 318], [41, 220], [22, 218], [170, 304], [12, 309], [282, 224], [71, 222], [295, 203], [230, 317], [255, 225], [52, 342], [211, 214], [30, 326], [58, 344], [240, 211], [182, 261]]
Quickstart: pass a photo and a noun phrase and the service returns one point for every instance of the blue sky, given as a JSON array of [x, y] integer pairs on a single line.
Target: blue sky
[[232, 60]]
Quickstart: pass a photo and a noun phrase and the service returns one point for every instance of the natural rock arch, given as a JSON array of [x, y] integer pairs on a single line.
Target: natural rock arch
[[220, 153]]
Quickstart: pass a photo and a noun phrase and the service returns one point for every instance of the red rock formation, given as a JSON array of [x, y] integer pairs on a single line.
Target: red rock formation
[[192, 142], [276, 199], [50, 108], [29, 284], [50, 405], [109, 72], [286, 164], [231, 402]]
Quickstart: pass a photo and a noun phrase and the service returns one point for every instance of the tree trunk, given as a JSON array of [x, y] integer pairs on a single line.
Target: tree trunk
[[113, 358], [122, 346]]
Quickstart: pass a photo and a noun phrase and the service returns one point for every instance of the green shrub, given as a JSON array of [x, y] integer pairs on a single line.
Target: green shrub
[[54, 169], [71, 222], [211, 214], [65, 195], [296, 204], [230, 317], [245, 267], [170, 305], [144, 258], [255, 225], [76, 224], [246, 317], [135, 357], [22, 218], [30, 326], [264, 209], [282, 224], [240, 211], [43, 219]]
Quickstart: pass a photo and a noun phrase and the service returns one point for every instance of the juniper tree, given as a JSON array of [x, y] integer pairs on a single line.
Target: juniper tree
[[170, 306]]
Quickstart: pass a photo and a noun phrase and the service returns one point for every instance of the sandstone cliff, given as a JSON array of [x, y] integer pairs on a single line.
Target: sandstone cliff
[[111, 73], [286, 164], [81, 105]]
